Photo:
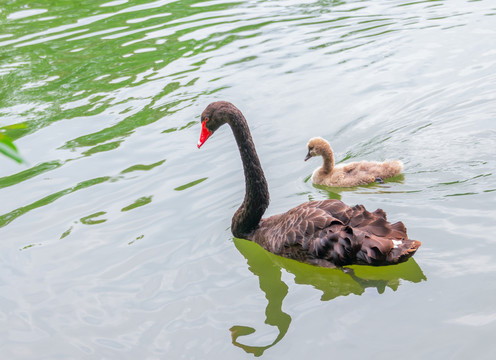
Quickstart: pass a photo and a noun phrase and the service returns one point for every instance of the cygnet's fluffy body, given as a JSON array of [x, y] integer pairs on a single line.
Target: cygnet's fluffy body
[[351, 174]]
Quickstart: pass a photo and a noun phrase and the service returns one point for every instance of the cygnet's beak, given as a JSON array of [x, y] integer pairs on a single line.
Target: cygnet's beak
[[308, 156]]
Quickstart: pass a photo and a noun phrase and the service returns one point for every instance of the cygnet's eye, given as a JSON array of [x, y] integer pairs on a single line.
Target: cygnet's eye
[[310, 148]]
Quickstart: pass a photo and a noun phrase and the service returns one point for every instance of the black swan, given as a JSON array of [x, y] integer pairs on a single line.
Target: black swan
[[350, 174], [326, 233]]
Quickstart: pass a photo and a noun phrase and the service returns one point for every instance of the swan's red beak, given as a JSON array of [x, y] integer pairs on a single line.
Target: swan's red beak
[[205, 134]]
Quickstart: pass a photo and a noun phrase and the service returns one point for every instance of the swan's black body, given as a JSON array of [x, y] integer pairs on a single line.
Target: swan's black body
[[325, 233]]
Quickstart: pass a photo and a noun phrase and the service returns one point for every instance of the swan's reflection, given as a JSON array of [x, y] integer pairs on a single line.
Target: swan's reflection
[[332, 283]]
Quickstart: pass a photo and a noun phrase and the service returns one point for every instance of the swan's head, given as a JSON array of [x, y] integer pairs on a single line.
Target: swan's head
[[214, 116], [317, 146]]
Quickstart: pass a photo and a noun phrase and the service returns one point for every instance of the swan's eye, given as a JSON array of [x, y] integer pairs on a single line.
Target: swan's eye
[[206, 119], [310, 148]]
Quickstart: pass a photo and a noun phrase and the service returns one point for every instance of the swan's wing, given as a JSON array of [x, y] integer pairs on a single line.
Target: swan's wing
[[379, 241], [309, 234], [332, 232]]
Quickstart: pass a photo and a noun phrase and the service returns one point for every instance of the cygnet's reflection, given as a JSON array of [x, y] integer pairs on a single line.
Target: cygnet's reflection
[[332, 282]]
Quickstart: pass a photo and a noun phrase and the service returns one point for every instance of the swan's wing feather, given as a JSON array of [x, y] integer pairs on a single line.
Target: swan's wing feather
[[333, 232]]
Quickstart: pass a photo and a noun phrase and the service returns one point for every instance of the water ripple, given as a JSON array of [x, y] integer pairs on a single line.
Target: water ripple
[[124, 225]]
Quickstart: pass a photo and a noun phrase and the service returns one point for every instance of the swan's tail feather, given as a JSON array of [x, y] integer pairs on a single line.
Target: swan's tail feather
[[402, 250], [386, 251]]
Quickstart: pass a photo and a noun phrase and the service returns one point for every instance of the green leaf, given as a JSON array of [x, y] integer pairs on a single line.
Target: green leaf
[[8, 148], [14, 127]]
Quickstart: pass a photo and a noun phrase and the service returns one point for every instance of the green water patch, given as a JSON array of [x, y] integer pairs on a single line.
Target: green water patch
[[42, 168], [11, 216], [39, 169], [142, 201], [173, 129], [103, 147], [190, 184], [78, 61], [92, 219], [136, 239], [141, 167]]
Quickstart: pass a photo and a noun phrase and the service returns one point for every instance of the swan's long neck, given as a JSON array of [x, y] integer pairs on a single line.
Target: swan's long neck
[[328, 157], [256, 201]]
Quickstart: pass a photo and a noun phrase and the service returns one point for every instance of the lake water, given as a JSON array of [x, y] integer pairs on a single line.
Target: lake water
[[115, 239]]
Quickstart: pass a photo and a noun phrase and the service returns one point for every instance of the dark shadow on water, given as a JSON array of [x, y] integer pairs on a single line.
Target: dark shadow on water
[[332, 282]]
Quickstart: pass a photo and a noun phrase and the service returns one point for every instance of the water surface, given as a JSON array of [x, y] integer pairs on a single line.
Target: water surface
[[115, 239]]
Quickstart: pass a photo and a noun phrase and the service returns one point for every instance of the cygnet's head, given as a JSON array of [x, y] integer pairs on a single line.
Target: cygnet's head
[[317, 146]]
